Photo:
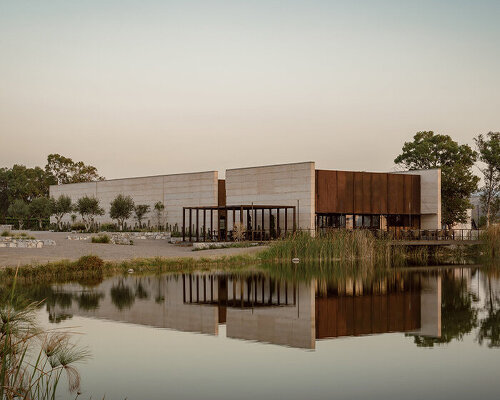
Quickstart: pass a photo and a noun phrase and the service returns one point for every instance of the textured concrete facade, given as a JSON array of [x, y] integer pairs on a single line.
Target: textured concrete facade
[[174, 191], [430, 197], [285, 184]]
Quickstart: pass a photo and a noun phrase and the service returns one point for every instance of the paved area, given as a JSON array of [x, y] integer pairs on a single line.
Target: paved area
[[73, 249]]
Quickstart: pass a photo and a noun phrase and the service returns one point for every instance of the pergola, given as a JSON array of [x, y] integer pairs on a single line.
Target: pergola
[[239, 211]]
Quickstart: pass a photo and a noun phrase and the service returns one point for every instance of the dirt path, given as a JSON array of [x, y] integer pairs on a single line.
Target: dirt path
[[73, 249]]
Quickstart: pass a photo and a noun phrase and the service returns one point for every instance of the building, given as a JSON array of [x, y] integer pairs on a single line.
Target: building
[[276, 198]]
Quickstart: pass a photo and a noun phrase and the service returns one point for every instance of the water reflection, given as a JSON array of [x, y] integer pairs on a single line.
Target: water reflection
[[431, 307]]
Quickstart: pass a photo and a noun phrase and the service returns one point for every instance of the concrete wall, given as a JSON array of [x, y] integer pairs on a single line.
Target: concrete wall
[[175, 191], [292, 326], [285, 184], [430, 197]]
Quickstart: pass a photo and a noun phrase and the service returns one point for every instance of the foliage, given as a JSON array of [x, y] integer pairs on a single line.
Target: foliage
[[40, 209], [101, 238], [121, 209], [19, 210], [22, 183], [491, 243], [239, 232], [88, 208], [122, 296], [78, 226], [428, 151], [33, 360], [107, 227], [60, 207], [5, 233], [489, 153], [65, 170], [140, 211], [159, 208]]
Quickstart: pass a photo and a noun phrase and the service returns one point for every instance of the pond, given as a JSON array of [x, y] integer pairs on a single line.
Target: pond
[[413, 334]]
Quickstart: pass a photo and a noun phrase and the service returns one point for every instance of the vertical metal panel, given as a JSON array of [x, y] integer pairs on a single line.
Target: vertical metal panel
[[367, 193], [358, 192], [221, 192]]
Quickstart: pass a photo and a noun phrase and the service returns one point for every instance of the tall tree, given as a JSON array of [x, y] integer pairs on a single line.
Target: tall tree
[[140, 211], [19, 210], [428, 151], [60, 207], [488, 148], [88, 208], [40, 209], [121, 209], [65, 170], [159, 212]]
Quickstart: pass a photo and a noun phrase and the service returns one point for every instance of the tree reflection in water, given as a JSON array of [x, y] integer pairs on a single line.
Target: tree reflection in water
[[459, 316], [122, 296], [489, 329]]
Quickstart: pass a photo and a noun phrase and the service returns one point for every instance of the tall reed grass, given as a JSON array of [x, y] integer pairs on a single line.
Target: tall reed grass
[[491, 243], [335, 245]]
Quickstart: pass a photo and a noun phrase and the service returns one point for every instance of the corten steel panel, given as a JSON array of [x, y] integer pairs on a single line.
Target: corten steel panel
[[358, 192], [222, 192], [343, 192], [416, 194], [395, 189], [326, 191], [408, 194], [367, 207]]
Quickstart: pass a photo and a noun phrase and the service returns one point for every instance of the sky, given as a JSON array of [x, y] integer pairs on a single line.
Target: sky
[[145, 87]]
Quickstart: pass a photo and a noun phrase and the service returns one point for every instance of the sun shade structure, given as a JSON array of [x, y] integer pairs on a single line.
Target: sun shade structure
[[248, 222]]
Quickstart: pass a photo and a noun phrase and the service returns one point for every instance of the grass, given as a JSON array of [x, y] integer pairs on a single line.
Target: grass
[[21, 235], [101, 238], [91, 269], [5, 233], [336, 245], [226, 245], [491, 244]]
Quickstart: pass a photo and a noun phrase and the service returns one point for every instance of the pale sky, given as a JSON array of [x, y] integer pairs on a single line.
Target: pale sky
[[144, 87]]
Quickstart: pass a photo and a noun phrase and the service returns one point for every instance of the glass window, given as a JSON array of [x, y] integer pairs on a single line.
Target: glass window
[[358, 221]]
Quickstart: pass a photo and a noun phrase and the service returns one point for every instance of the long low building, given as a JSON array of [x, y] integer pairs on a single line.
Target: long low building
[[276, 198]]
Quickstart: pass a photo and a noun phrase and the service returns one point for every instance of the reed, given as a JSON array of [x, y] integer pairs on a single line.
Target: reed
[[336, 245], [491, 243]]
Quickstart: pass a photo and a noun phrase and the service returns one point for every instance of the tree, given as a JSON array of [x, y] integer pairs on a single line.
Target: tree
[[19, 210], [65, 170], [159, 212], [121, 209], [489, 153], [60, 207], [140, 211], [40, 209], [428, 151], [88, 208]]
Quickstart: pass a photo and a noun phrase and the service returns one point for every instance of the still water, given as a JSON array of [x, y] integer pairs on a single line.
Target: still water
[[407, 334]]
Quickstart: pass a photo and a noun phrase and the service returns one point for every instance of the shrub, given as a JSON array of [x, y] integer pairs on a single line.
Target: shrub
[[109, 227], [78, 226], [90, 263], [101, 238], [5, 233]]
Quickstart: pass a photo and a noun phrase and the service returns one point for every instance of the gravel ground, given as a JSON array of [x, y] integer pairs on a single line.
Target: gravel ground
[[73, 249]]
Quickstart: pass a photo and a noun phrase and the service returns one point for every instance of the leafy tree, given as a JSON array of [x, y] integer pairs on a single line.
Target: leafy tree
[[489, 153], [65, 170], [40, 209], [140, 211], [88, 208], [60, 207], [428, 151], [121, 209], [159, 212], [20, 211]]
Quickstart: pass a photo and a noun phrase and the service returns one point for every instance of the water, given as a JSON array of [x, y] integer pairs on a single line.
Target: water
[[413, 335]]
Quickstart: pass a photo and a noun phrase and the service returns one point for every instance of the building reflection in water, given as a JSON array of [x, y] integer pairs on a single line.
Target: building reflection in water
[[260, 308]]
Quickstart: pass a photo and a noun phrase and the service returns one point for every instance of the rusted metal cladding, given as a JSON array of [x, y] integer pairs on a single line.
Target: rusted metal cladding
[[222, 193], [344, 192]]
